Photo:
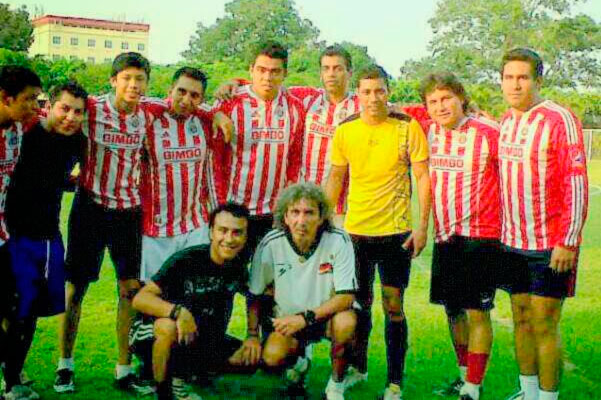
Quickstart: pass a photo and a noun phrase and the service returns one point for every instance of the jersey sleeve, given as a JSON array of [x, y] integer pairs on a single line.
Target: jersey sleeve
[[345, 277], [303, 92], [573, 178], [261, 270], [419, 113], [293, 165], [418, 144], [166, 276], [337, 157]]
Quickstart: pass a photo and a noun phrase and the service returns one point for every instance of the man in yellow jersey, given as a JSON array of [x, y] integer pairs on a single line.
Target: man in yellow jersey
[[381, 151]]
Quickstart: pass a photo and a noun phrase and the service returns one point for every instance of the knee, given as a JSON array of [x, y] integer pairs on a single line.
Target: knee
[[76, 293], [128, 289], [165, 330], [393, 308], [273, 357], [455, 314], [343, 326], [543, 325], [479, 318]]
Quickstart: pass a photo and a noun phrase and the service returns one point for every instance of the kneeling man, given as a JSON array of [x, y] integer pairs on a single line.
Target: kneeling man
[[310, 268], [192, 298]]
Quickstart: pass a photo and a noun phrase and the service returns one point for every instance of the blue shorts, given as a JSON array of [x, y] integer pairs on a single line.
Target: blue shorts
[[39, 271]]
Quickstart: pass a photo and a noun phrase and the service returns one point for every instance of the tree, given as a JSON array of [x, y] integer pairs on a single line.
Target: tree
[[247, 23], [470, 37], [15, 28]]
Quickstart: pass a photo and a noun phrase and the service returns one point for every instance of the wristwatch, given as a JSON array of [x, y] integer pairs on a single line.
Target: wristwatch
[[309, 316], [175, 312]]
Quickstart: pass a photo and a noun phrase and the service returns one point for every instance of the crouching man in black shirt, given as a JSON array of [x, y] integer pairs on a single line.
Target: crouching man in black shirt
[[192, 298]]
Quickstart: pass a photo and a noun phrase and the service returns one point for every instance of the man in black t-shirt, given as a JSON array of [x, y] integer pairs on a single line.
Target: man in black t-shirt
[[192, 298]]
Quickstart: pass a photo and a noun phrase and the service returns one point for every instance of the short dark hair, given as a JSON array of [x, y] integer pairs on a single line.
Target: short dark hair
[[337, 50], [15, 78], [372, 71], [237, 210], [271, 49], [130, 60], [527, 55], [71, 87], [193, 73], [445, 81]]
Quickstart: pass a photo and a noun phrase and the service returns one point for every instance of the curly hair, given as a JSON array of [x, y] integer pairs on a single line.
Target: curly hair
[[294, 193]]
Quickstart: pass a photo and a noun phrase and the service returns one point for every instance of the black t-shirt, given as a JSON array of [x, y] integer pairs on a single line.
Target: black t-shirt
[[41, 176], [191, 279]]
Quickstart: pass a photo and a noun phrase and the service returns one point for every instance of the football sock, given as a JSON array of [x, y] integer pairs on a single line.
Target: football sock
[[122, 371], [544, 395], [529, 385], [476, 367], [66, 363], [472, 389], [461, 352], [396, 348]]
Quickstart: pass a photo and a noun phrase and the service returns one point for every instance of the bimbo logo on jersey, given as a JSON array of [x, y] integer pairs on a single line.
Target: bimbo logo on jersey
[[268, 135], [450, 163], [182, 154], [318, 128], [118, 138], [511, 152]]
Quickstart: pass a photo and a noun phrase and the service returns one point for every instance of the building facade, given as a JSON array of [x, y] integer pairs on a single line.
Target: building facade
[[94, 41]]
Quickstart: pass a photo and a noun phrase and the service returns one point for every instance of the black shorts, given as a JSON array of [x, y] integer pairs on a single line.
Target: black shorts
[[207, 355], [464, 273], [528, 271], [92, 228], [8, 290], [394, 263]]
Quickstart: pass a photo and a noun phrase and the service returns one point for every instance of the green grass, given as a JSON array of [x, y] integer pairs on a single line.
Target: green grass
[[430, 360]]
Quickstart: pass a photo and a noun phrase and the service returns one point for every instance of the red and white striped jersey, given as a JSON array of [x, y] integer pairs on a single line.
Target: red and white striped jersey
[[173, 185], [10, 145], [111, 168], [544, 185], [266, 147], [465, 180]]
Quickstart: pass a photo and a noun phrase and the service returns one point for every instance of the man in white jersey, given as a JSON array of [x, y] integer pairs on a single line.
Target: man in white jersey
[[19, 89], [174, 187], [544, 196], [106, 211], [310, 268]]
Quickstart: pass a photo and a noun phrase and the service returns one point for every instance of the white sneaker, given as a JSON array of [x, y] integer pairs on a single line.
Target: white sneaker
[[353, 376], [517, 396], [295, 375], [182, 391], [392, 394], [21, 392], [334, 390]]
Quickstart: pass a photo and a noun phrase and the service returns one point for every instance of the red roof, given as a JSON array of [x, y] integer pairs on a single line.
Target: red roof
[[91, 23]]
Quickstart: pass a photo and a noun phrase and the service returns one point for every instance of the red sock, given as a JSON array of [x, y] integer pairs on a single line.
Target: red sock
[[476, 367], [461, 351]]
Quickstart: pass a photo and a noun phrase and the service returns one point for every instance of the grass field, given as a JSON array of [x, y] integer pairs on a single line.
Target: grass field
[[430, 359]]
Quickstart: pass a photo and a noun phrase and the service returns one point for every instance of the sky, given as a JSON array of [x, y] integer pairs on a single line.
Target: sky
[[393, 30]]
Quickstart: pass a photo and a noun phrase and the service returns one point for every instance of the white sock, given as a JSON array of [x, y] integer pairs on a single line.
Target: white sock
[[463, 372], [472, 389], [543, 395], [122, 370], [66, 363], [529, 385]]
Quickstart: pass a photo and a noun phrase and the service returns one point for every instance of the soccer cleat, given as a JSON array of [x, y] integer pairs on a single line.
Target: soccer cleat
[[517, 396], [295, 375], [21, 392], [452, 389], [182, 391], [353, 376], [391, 393], [64, 381], [466, 397], [130, 382], [334, 390]]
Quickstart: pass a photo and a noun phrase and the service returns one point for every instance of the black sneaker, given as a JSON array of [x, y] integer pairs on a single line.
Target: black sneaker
[[131, 383], [452, 389], [64, 381]]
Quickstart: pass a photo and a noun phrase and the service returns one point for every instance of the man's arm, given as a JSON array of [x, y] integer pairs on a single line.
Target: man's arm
[[419, 236], [148, 301], [335, 183]]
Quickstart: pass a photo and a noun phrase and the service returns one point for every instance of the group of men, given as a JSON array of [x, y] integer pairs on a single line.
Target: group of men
[[185, 197]]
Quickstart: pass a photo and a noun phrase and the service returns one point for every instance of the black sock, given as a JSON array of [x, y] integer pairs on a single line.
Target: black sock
[[359, 354], [18, 341], [164, 390], [396, 349]]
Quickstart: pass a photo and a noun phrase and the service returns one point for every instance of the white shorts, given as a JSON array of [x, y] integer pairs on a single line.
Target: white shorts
[[156, 250]]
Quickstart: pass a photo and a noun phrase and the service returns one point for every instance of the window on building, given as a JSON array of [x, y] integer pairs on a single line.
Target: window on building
[[108, 44], [140, 46], [74, 41], [56, 40], [91, 42], [108, 61], [91, 60], [124, 45], [55, 57]]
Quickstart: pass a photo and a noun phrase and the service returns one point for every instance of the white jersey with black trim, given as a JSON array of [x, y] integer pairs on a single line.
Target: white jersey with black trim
[[303, 281]]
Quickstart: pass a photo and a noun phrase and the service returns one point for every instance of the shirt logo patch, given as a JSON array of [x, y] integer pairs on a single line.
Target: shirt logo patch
[[325, 268], [577, 157]]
